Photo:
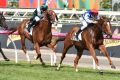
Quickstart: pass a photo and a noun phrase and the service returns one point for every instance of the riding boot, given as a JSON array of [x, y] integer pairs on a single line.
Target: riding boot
[[30, 25], [78, 33]]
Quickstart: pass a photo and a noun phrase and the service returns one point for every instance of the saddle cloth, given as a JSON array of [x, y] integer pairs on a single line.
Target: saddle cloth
[[79, 37], [31, 29]]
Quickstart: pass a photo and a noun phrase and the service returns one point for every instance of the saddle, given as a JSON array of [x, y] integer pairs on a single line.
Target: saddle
[[74, 37]]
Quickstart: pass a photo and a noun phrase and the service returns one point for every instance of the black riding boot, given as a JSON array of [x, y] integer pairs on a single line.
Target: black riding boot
[[78, 33], [30, 25]]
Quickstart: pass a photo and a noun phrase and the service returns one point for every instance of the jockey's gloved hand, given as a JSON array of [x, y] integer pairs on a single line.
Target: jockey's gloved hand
[[95, 22]]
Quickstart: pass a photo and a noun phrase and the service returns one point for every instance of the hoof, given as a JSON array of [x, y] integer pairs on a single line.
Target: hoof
[[57, 69], [113, 67], [43, 64], [76, 70], [101, 72], [6, 59]]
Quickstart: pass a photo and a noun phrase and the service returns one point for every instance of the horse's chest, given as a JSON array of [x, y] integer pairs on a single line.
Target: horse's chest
[[46, 40]]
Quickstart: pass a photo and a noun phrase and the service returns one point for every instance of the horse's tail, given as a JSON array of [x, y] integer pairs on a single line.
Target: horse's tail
[[12, 30]]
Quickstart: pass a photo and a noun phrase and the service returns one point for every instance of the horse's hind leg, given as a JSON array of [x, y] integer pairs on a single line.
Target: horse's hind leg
[[37, 48], [67, 45], [104, 51], [5, 58], [24, 47], [78, 56]]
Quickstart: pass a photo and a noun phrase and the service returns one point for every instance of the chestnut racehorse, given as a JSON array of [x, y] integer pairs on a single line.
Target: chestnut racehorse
[[92, 38], [41, 34]]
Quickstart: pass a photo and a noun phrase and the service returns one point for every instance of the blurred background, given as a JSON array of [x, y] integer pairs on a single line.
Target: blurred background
[[113, 5]]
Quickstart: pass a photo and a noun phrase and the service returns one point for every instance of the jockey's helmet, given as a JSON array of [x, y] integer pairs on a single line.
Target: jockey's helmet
[[94, 11], [44, 7]]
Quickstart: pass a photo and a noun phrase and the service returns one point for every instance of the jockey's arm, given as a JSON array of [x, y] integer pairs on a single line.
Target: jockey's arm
[[35, 13]]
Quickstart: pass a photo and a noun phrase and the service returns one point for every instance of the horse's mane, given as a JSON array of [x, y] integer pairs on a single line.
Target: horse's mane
[[51, 11]]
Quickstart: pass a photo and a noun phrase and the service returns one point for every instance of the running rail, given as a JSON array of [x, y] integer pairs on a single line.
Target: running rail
[[20, 14]]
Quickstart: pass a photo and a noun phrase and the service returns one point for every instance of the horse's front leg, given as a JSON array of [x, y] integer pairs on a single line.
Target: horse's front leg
[[5, 58], [93, 54], [37, 48], [24, 48], [104, 51]]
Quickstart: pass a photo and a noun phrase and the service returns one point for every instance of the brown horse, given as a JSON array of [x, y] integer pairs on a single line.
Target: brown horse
[[41, 34], [92, 38], [4, 26]]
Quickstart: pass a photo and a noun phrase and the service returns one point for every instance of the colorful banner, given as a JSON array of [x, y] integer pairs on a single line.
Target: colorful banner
[[51, 3], [111, 42], [3, 3], [29, 3], [61, 4], [94, 4]]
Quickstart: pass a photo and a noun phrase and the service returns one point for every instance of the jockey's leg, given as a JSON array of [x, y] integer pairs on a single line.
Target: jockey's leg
[[82, 28], [31, 24]]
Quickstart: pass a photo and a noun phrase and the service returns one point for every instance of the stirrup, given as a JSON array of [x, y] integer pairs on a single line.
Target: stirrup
[[28, 29]]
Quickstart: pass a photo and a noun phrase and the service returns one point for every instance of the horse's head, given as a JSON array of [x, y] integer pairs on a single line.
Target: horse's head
[[2, 21], [106, 26], [53, 16]]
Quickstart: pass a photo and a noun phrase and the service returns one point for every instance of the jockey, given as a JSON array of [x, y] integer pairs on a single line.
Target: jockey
[[37, 15], [91, 16]]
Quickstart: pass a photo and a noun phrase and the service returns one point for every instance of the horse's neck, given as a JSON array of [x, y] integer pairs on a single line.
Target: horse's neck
[[45, 26], [95, 29]]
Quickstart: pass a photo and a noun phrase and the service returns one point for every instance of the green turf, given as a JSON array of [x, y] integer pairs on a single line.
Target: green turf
[[35, 71]]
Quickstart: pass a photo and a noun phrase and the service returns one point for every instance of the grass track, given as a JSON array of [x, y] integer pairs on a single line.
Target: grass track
[[35, 71]]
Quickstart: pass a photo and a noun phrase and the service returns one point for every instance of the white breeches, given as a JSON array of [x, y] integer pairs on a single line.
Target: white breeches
[[37, 18], [84, 23]]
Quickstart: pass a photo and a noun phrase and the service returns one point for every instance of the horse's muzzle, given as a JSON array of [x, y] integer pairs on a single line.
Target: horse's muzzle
[[109, 36]]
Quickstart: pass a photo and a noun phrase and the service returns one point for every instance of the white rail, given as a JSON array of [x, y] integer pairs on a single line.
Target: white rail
[[72, 16]]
